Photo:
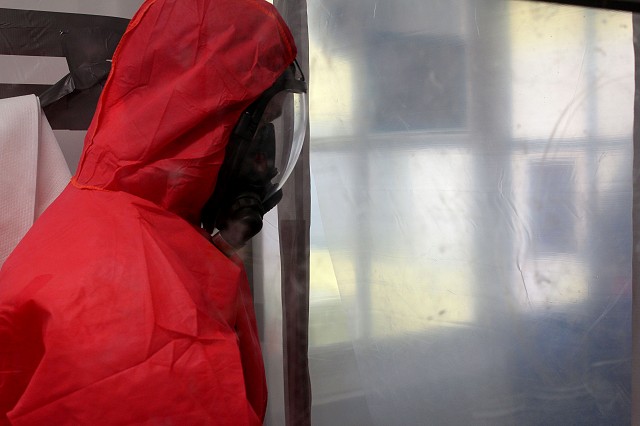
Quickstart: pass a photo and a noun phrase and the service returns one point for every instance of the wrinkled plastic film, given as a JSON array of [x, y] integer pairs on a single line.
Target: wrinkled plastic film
[[471, 240], [471, 237]]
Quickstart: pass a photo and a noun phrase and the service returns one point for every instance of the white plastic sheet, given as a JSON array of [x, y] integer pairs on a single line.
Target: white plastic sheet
[[471, 232], [34, 169]]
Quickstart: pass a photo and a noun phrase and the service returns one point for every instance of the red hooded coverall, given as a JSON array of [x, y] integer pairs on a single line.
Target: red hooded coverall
[[114, 309]]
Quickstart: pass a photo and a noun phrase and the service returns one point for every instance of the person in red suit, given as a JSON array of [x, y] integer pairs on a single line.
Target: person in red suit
[[116, 308]]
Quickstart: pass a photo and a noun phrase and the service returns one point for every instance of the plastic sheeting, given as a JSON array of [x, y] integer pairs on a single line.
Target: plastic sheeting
[[471, 226], [471, 235], [35, 171]]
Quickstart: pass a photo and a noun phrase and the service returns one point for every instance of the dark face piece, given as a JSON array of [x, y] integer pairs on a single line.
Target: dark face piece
[[240, 217], [245, 191]]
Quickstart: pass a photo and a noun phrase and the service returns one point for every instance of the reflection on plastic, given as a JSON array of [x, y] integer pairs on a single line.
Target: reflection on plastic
[[471, 223]]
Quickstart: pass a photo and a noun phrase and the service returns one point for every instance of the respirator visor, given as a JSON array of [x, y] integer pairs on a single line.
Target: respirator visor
[[287, 113], [274, 129], [264, 146]]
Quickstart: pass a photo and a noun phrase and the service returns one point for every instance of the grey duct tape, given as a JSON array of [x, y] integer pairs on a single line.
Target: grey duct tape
[[36, 33], [13, 90], [71, 112], [86, 41]]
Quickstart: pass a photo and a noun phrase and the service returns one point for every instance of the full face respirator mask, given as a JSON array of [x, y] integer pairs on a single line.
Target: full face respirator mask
[[262, 151]]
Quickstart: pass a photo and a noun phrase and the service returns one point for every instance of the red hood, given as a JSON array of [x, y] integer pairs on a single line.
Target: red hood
[[182, 74]]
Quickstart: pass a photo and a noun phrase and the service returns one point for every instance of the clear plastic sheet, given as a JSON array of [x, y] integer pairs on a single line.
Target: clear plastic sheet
[[262, 259], [471, 233], [471, 220]]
